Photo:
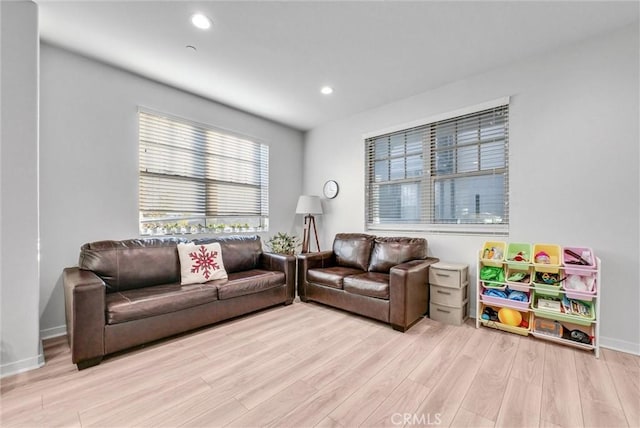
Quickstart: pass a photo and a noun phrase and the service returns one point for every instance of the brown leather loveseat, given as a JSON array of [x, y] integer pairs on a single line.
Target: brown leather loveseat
[[126, 293], [381, 278]]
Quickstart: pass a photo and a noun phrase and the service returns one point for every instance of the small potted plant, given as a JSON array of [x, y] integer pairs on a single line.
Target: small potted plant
[[283, 243], [183, 227]]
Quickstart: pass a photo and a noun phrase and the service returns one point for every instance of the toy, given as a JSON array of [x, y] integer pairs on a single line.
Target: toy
[[489, 314], [492, 253], [495, 293], [579, 283], [518, 277], [542, 257], [520, 257], [492, 276], [510, 317], [548, 278], [580, 260], [576, 335], [545, 326], [517, 296]]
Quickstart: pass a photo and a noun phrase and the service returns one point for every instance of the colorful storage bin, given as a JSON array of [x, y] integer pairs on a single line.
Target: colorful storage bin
[[545, 287], [523, 284], [505, 301], [571, 256], [563, 331], [518, 254], [493, 253], [524, 331], [540, 311], [546, 257], [492, 276], [587, 293]]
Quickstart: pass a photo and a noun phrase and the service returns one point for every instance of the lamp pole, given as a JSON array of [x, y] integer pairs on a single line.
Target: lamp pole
[[309, 223]]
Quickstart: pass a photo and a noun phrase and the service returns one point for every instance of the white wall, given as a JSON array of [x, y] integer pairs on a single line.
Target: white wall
[[574, 175], [89, 160], [19, 333]]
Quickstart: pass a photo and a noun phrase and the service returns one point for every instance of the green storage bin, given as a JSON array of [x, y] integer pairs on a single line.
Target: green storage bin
[[563, 317], [513, 250]]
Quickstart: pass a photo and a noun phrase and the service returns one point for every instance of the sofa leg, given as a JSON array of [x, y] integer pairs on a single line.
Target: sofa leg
[[399, 328], [89, 363], [288, 302]]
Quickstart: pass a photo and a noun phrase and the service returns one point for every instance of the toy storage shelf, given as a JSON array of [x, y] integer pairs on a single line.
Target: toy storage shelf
[[529, 311]]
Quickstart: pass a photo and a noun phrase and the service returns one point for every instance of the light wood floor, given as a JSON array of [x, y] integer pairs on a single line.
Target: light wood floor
[[309, 365]]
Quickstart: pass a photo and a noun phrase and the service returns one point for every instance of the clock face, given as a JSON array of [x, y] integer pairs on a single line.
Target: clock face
[[330, 189]]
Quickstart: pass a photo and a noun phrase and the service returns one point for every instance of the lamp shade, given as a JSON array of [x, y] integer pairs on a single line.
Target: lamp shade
[[309, 205]]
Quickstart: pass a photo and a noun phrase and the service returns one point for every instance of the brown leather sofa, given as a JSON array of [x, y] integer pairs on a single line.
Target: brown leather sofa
[[381, 278], [126, 293]]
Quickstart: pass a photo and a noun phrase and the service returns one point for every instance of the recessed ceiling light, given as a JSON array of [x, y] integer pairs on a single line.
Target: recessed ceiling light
[[326, 90], [191, 48], [200, 21]]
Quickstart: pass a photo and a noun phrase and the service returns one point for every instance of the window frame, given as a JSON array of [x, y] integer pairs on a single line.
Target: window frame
[[204, 147], [427, 193]]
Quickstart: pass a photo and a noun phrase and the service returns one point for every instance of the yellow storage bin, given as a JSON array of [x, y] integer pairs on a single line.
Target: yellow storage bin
[[547, 257], [522, 330], [493, 253]]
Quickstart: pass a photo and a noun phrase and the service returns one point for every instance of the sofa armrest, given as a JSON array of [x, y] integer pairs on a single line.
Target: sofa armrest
[[409, 292], [282, 263], [306, 261], [84, 294]]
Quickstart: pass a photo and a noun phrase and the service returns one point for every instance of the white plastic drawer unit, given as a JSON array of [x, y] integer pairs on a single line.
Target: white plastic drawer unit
[[449, 296], [448, 314], [448, 274]]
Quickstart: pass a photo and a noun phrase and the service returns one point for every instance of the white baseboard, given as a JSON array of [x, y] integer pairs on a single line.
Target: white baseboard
[[24, 365], [49, 333], [620, 345]]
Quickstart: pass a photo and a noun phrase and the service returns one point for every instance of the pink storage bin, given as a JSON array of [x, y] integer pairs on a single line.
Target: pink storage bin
[[519, 285], [496, 287], [498, 301], [586, 295], [577, 269]]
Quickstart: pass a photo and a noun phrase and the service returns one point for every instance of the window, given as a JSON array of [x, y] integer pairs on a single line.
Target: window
[[449, 175], [193, 177]]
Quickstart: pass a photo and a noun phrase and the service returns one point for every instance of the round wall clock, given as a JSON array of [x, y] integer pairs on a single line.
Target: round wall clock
[[330, 189]]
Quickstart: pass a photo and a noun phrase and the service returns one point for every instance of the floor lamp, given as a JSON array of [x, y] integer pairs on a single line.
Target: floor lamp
[[309, 205]]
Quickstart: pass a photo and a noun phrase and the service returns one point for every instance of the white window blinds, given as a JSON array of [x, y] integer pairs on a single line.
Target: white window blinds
[[198, 174], [449, 175]]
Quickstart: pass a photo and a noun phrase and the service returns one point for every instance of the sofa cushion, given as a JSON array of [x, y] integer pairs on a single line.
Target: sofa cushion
[[353, 249], [132, 263], [249, 282], [239, 253], [146, 302], [371, 284], [388, 252], [332, 276], [200, 263]]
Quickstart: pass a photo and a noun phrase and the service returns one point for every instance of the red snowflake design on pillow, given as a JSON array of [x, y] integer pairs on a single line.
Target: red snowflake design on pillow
[[205, 260]]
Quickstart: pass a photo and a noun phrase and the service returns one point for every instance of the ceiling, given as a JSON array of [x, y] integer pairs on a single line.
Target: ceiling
[[271, 58]]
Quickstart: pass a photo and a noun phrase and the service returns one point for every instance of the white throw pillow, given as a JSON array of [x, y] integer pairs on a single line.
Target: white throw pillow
[[200, 263]]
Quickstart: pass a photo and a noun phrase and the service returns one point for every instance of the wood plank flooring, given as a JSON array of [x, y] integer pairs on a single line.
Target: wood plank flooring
[[308, 365]]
